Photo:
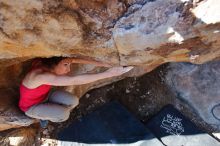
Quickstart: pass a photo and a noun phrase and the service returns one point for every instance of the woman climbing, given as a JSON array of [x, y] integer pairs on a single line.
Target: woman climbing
[[38, 101]]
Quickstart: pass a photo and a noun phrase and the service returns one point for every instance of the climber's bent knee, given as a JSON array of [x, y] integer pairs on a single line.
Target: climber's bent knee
[[49, 111], [64, 98]]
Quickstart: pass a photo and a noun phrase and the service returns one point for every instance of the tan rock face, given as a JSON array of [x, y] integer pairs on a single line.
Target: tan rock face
[[164, 31], [26, 27], [143, 33]]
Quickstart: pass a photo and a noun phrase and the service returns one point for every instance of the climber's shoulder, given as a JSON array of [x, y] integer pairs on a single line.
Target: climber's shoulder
[[35, 77]]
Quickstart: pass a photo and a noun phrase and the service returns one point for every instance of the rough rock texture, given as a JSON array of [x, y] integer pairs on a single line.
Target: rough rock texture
[[199, 86], [144, 33], [164, 31], [25, 136], [10, 115], [125, 32]]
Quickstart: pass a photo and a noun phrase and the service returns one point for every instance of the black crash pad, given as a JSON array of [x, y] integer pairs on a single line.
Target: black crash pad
[[111, 123], [174, 129]]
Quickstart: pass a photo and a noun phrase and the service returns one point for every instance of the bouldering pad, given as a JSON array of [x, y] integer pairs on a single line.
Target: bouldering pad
[[111, 123], [174, 129]]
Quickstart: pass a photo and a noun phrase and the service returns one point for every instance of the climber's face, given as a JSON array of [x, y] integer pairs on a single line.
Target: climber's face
[[63, 67]]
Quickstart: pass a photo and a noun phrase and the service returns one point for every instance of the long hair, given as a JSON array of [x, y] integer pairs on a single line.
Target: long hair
[[47, 62]]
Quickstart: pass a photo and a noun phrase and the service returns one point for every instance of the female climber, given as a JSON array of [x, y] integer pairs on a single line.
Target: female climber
[[37, 99]]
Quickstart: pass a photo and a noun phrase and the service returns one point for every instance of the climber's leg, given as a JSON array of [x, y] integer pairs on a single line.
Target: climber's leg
[[63, 98], [49, 111]]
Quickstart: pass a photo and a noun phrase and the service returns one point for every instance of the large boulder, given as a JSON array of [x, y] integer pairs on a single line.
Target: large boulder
[[199, 87], [139, 32], [10, 115], [143, 33]]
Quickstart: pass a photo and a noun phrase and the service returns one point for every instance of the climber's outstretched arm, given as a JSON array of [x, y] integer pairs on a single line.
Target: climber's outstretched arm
[[56, 80], [89, 61]]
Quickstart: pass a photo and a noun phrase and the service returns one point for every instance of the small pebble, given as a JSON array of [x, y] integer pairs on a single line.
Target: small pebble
[[87, 95], [45, 132]]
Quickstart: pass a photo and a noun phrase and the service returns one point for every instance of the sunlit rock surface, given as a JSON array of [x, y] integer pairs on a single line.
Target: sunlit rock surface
[[138, 32]]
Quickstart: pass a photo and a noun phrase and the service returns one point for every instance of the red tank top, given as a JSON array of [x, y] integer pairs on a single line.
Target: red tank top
[[30, 97]]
